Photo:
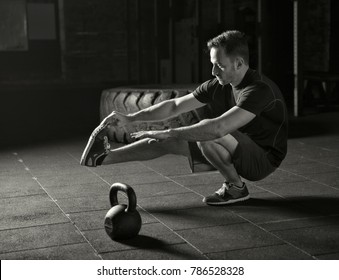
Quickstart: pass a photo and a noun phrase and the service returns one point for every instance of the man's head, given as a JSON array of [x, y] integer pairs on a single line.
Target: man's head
[[229, 56]]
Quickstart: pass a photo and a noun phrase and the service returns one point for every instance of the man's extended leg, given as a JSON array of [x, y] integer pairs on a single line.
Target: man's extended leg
[[98, 152], [143, 150]]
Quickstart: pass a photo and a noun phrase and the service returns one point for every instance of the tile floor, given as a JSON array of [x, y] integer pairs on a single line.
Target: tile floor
[[53, 208]]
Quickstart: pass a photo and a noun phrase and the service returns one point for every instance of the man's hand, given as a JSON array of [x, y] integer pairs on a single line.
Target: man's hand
[[116, 119], [155, 135]]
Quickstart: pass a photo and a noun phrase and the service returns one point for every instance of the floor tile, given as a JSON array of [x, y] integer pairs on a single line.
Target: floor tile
[[57, 170], [314, 240], [38, 237], [324, 204], [267, 207], [333, 161], [120, 169], [158, 189], [19, 185], [313, 152], [301, 223], [330, 256], [280, 176], [151, 236], [81, 251], [330, 179], [309, 168], [140, 178], [71, 179], [169, 165], [292, 159], [11, 167], [170, 252], [228, 237], [197, 217], [274, 252], [213, 178], [99, 188], [171, 202], [28, 211], [80, 204], [299, 189]]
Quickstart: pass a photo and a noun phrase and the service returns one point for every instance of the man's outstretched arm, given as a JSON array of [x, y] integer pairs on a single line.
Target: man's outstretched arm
[[205, 130], [157, 112]]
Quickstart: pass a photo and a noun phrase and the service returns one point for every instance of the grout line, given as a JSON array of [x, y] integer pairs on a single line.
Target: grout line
[[298, 219], [304, 227], [40, 248], [33, 226], [310, 179], [247, 248], [55, 201], [330, 253]]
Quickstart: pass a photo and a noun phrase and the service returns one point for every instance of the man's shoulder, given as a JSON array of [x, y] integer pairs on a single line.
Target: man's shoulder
[[211, 83], [257, 85]]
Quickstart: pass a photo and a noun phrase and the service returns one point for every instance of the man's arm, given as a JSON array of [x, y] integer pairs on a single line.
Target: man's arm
[[167, 109], [205, 130], [157, 112]]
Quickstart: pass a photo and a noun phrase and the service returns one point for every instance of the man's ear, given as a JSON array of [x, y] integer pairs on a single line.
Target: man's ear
[[239, 62]]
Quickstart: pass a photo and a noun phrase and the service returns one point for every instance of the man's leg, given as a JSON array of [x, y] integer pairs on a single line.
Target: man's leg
[[98, 152], [143, 150], [219, 153]]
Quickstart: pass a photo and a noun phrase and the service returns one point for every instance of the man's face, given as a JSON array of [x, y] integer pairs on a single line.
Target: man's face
[[223, 67]]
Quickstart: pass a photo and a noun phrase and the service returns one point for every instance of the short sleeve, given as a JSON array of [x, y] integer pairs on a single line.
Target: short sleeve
[[203, 92], [256, 98]]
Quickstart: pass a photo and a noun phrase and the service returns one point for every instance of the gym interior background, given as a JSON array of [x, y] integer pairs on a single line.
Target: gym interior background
[[58, 55]]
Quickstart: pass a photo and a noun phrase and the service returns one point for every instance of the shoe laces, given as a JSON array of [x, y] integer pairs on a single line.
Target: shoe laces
[[107, 145], [225, 187], [99, 129]]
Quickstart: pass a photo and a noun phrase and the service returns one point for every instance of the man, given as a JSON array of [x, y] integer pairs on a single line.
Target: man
[[246, 137]]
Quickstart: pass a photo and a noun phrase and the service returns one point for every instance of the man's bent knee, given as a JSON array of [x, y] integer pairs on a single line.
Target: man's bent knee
[[212, 149], [228, 142]]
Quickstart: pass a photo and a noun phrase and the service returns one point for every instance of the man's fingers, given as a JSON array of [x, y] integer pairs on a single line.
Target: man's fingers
[[150, 141]]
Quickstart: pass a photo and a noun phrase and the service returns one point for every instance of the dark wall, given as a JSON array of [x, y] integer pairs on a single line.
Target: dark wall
[[42, 58], [46, 111], [277, 45], [334, 39], [56, 83]]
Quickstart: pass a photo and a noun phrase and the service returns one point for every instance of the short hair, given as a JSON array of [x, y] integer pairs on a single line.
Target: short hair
[[233, 42]]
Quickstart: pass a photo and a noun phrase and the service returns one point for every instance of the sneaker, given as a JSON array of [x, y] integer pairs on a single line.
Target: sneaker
[[227, 194], [97, 147]]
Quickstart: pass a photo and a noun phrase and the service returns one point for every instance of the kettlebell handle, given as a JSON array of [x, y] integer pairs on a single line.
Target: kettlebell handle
[[132, 198]]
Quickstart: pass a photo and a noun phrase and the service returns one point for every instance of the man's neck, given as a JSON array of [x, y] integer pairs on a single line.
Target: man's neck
[[240, 76]]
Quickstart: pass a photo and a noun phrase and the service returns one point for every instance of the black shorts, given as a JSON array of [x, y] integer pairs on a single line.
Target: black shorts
[[249, 159]]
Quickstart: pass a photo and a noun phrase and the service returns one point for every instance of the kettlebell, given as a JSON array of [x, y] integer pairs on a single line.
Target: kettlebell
[[122, 221]]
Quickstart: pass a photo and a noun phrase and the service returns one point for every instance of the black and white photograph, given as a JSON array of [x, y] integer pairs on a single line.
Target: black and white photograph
[[145, 132]]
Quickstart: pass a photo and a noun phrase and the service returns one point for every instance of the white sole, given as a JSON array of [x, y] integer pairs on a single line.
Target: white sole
[[89, 146], [229, 201]]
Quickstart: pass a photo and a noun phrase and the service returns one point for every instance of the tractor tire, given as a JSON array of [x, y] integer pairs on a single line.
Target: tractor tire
[[130, 100]]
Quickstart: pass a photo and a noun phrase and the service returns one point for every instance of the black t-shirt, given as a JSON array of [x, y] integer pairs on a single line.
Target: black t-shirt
[[260, 96]]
